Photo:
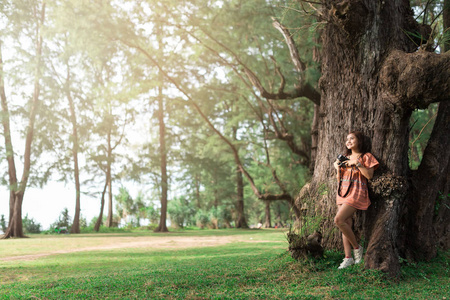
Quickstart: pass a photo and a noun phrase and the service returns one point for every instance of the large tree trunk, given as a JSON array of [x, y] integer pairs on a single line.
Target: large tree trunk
[[441, 223], [428, 224], [429, 188], [372, 79]]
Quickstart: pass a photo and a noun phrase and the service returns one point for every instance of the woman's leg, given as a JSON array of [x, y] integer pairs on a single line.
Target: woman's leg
[[344, 213], [347, 245]]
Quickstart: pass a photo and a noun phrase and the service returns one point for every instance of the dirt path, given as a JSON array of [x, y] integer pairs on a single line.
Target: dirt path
[[141, 242]]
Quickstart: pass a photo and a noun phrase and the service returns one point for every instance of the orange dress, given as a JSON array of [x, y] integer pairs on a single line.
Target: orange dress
[[353, 186]]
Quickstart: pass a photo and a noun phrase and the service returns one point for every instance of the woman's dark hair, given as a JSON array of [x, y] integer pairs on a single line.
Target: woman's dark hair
[[364, 143]]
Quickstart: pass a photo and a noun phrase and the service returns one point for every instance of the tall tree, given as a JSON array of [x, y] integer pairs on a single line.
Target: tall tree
[[162, 227], [64, 86], [34, 14]]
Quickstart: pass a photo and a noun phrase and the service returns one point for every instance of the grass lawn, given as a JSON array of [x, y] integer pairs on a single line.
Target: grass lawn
[[250, 264]]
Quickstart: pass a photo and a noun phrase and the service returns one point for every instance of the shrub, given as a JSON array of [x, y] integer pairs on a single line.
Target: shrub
[[63, 223], [202, 218], [180, 212], [3, 223], [30, 225], [153, 214]]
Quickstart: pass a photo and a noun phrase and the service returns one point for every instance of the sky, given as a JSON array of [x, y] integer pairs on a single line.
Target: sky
[[46, 204]]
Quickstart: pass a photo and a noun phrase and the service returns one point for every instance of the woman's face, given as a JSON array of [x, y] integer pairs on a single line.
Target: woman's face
[[352, 142]]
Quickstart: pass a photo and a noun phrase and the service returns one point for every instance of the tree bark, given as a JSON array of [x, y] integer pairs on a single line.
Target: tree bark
[[73, 119], [278, 219], [109, 218], [102, 206], [197, 191], [372, 78], [8, 141], [241, 221], [162, 227], [428, 225], [428, 185], [267, 223], [442, 215]]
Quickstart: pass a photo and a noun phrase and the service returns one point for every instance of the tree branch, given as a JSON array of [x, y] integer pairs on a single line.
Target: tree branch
[[278, 71], [415, 80], [304, 90], [286, 136], [295, 57]]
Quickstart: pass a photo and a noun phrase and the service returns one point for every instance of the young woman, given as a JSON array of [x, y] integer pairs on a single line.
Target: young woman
[[352, 176]]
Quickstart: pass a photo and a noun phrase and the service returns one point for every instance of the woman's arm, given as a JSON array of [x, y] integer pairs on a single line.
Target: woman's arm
[[367, 172]]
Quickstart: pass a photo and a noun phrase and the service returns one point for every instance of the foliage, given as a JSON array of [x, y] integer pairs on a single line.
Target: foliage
[[202, 219], [30, 225], [152, 213], [63, 222], [94, 220], [180, 211], [422, 122], [104, 229], [3, 223]]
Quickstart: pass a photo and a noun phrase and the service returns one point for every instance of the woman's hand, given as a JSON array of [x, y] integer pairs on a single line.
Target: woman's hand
[[335, 164]]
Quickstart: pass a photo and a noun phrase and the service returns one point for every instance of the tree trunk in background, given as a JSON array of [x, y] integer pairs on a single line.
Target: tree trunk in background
[[215, 191], [102, 206], [162, 227], [267, 223], [8, 142], [278, 215], [73, 118], [372, 79], [17, 191], [109, 218], [241, 221], [197, 191]]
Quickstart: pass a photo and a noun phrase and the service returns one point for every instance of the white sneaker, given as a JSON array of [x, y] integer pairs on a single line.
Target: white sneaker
[[347, 262], [358, 254]]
